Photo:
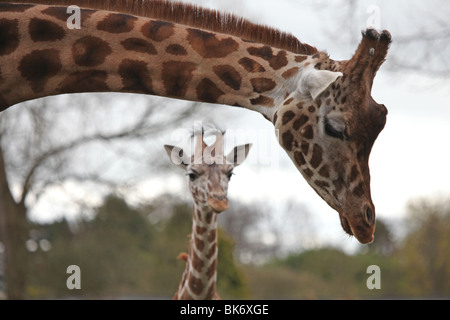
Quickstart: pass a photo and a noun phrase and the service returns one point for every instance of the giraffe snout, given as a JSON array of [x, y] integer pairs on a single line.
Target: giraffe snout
[[218, 202]]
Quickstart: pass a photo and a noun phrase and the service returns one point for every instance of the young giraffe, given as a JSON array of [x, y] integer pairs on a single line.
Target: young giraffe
[[323, 109], [209, 173]]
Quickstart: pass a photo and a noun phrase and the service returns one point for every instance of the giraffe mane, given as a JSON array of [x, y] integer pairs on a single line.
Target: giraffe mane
[[194, 16]]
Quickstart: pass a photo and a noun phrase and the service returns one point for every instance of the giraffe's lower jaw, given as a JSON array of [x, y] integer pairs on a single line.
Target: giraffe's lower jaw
[[363, 235]]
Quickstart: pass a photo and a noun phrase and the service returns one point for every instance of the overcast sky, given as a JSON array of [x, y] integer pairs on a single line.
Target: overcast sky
[[411, 156]]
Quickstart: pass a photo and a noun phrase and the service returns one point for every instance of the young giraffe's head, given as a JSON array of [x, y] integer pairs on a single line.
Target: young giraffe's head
[[329, 128], [209, 170]]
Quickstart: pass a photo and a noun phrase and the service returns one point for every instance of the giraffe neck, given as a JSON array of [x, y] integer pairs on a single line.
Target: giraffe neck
[[199, 277], [116, 52]]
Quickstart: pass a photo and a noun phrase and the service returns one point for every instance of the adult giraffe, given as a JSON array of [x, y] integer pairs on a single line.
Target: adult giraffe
[[323, 109]]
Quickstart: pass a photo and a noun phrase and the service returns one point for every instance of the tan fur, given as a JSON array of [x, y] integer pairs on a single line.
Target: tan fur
[[194, 16]]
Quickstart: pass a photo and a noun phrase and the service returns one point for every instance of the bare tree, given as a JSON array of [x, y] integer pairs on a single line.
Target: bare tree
[[47, 142]]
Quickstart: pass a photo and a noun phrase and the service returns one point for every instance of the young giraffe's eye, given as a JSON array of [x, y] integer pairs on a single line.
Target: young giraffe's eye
[[229, 174], [192, 175]]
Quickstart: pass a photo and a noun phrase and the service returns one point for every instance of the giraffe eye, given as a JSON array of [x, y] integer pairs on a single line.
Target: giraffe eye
[[229, 174], [334, 132], [192, 175]]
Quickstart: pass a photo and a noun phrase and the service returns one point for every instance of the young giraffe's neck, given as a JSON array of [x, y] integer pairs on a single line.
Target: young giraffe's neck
[[199, 277], [114, 52]]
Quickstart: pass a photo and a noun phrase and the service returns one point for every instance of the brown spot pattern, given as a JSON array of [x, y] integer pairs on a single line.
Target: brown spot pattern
[[9, 36], [199, 244], [287, 116], [287, 139], [229, 76], [39, 66], [275, 61], [176, 76], [158, 30], [300, 58], [262, 101], [176, 50], [139, 45], [84, 81], [299, 158], [208, 45], [207, 91], [300, 122], [251, 65], [308, 132], [43, 30], [90, 51], [290, 73], [117, 23], [316, 158], [325, 171], [135, 76], [261, 85], [196, 284]]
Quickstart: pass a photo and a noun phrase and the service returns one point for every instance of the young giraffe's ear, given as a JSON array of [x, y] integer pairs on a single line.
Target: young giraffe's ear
[[177, 156], [314, 82], [239, 154]]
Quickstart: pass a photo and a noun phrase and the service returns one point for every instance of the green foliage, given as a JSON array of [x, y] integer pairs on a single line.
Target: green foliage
[[126, 251], [120, 253]]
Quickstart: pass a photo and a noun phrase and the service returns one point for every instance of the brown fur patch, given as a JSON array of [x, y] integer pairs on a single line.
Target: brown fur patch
[[299, 158], [287, 138], [263, 101], [290, 73], [208, 45], [176, 50], [261, 85], [275, 61], [229, 76], [176, 76], [90, 51], [300, 122], [251, 65], [135, 76], [43, 30], [196, 284], [39, 66], [117, 23], [139, 45], [287, 116], [316, 158], [308, 132], [207, 91], [9, 36], [158, 30]]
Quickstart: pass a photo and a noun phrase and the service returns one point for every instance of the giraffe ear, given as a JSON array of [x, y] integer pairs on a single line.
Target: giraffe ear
[[177, 156], [314, 81], [239, 154]]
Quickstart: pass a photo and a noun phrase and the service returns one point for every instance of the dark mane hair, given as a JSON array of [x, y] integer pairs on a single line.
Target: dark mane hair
[[193, 16]]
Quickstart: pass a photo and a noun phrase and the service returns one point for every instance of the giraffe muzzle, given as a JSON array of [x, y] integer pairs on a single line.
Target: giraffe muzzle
[[360, 224], [218, 204]]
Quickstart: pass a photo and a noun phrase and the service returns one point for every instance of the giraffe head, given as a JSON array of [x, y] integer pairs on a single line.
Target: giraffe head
[[209, 170], [329, 129]]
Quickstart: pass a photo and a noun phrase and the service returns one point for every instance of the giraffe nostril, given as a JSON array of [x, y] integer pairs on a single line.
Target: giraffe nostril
[[369, 215]]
